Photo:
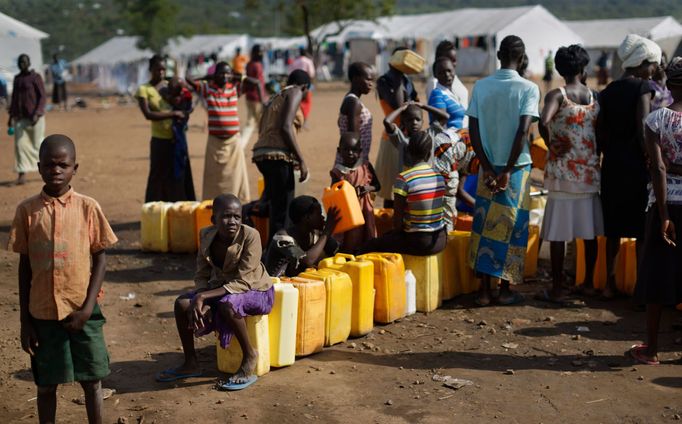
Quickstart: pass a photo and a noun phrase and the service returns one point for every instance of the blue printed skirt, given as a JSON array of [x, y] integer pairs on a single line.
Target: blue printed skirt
[[499, 233]]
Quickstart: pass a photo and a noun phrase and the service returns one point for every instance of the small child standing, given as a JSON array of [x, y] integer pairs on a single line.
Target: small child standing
[[61, 236], [360, 174], [231, 284]]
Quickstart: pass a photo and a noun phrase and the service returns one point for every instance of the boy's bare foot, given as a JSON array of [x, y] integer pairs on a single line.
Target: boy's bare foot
[[246, 370], [21, 179]]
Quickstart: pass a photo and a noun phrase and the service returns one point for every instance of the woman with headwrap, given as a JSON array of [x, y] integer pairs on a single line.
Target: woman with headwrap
[[660, 274], [624, 104]]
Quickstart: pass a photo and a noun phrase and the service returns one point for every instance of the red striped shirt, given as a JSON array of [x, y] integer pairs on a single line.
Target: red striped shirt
[[221, 104]]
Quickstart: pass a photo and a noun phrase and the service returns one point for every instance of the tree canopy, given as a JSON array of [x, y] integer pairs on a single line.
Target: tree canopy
[[76, 26]]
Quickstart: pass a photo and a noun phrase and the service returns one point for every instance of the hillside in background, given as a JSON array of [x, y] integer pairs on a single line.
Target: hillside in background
[[76, 26]]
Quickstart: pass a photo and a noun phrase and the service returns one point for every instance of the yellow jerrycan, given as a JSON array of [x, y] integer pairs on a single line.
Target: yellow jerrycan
[[312, 307], [339, 303], [428, 272], [599, 276], [626, 266], [390, 298], [342, 195], [530, 265], [361, 274], [282, 324], [202, 217], [230, 359], [458, 277], [182, 233], [154, 226]]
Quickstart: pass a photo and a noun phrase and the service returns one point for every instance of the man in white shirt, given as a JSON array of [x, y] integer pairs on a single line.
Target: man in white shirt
[[447, 49]]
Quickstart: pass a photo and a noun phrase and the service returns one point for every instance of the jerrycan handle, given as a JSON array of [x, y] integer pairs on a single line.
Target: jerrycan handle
[[347, 256], [337, 186]]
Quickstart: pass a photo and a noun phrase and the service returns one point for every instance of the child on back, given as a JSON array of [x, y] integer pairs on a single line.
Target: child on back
[[61, 236], [231, 284], [449, 154], [180, 98], [360, 174]]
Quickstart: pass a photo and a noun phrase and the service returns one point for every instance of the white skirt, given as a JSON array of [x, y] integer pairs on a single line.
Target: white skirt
[[572, 215]]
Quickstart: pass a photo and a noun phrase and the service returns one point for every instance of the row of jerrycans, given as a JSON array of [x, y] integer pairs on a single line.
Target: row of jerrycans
[[274, 336], [175, 226]]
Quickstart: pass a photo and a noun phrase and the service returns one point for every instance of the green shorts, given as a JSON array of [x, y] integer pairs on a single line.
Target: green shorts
[[63, 357]]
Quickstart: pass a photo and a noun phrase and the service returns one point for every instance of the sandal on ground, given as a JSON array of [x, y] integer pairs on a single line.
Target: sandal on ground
[[545, 296], [515, 299], [172, 374], [478, 301], [636, 352], [231, 386]]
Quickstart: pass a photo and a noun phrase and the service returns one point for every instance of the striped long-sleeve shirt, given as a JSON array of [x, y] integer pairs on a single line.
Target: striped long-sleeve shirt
[[423, 189]]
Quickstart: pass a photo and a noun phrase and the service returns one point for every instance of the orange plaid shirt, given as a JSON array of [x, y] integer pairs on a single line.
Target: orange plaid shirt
[[59, 235]]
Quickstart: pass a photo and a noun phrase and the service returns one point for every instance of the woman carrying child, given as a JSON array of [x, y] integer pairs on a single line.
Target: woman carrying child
[[163, 184], [354, 115], [572, 171], [623, 106], [360, 174], [418, 206], [660, 276]]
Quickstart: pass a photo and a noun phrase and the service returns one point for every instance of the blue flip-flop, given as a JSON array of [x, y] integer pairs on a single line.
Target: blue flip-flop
[[515, 299], [230, 386], [174, 375]]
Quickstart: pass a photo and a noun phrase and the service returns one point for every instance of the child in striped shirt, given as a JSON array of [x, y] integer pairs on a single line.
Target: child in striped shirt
[[418, 206]]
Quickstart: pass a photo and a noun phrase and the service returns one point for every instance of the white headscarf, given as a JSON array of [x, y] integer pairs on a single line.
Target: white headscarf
[[634, 50]]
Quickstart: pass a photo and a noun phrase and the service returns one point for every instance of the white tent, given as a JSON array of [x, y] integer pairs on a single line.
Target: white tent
[[484, 27], [222, 45], [16, 38], [120, 65], [120, 49], [607, 34]]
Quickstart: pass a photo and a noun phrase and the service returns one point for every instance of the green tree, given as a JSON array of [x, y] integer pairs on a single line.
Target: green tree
[[310, 14], [154, 21]]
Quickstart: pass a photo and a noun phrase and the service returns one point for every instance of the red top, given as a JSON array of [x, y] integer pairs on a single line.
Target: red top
[[28, 96], [254, 70]]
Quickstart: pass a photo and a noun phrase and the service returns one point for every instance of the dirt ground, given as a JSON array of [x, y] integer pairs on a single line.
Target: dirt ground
[[548, 371]]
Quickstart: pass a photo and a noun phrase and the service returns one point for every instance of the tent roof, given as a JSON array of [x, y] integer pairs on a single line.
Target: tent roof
[[120, 49], [203, 44], [469, 21], [10, 27], [461, 22], [282, 43], [609, 33]]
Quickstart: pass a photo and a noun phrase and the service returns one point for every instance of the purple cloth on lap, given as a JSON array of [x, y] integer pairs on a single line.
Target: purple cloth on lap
[[251, 303]]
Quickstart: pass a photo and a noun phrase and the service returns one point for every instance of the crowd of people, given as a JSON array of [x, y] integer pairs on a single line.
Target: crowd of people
[[614, 168]]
